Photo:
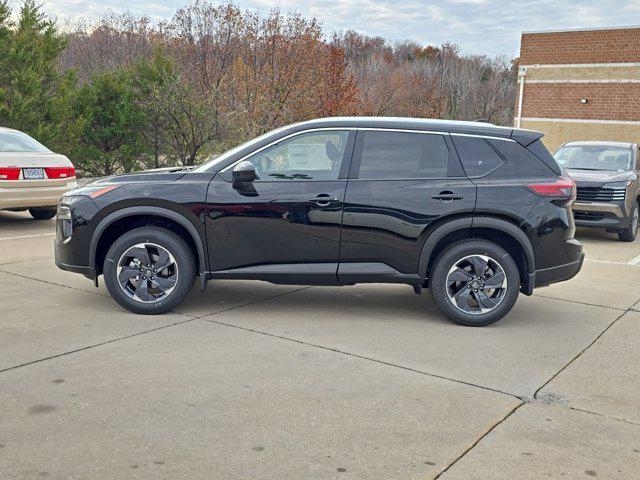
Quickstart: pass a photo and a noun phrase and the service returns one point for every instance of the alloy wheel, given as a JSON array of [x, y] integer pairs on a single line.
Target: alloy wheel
[[476, 284], [147, 272]]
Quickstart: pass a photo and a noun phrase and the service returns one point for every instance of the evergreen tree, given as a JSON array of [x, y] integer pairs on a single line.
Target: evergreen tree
[[34, 96], [111, 123]]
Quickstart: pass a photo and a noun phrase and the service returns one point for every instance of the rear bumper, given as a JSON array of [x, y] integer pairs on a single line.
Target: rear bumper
[[559, 273], [33, 196]]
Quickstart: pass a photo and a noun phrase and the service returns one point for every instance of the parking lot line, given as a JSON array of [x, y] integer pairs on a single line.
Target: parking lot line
[[634, 261], [27, 236]]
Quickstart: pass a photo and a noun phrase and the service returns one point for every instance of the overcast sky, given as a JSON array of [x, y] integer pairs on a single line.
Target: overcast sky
[[489, 27]]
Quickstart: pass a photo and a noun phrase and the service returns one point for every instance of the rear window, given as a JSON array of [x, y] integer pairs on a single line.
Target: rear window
[[400, 155], [476, 155], [19, 142]]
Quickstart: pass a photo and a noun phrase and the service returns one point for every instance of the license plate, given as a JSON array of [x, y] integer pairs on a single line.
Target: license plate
[[33, 173]]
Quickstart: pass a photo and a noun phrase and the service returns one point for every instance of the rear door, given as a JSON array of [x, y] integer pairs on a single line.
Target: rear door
[[400, 182]]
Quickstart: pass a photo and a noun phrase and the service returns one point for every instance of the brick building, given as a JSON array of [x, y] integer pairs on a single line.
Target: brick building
[[580, 85]]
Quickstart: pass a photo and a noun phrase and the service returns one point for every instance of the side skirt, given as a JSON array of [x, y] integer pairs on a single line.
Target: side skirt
[[327, 274]]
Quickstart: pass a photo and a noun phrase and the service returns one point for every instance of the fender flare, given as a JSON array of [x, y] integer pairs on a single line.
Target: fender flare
[[476, 222], [147, 210]]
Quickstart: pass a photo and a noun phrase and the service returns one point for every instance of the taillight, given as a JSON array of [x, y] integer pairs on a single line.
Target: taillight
[[9, 173], [60, 172], [563, 187]]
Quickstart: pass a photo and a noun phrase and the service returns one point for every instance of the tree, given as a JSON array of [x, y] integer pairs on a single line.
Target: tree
[[34, 96], [152, 77], [110, 124]]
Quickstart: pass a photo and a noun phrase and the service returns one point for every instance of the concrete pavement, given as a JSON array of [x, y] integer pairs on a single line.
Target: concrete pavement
[[252, 380]]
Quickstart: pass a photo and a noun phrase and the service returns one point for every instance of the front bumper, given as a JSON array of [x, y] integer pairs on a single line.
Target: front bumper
[[73, 236], [610, 215], [83, 269]]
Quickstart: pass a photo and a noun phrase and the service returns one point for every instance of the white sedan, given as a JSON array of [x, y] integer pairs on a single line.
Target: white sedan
[[32, 177]]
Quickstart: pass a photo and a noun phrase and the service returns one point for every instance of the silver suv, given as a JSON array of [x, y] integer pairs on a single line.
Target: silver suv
[[606, 174]]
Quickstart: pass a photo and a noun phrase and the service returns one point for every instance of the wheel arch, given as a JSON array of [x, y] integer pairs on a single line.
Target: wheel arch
[[500, 231], [148, 215]]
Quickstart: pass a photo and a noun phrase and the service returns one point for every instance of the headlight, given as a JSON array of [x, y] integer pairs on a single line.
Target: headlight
[[64, 212], [617, 185]]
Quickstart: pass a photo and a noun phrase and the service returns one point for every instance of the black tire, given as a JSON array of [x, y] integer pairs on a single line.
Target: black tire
[[456, 253], [630, 233], [39, 214], [173, 244]]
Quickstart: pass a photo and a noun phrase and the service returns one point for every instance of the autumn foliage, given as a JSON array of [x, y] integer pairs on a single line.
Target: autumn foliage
[[215, 75]]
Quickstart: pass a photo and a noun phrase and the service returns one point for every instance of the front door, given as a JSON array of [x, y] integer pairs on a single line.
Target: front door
[[286, 223]]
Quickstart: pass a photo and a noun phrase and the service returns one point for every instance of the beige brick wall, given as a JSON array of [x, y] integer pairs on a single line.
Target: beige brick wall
[[587, 46], [557, 133], [556, 98], [605, 101]]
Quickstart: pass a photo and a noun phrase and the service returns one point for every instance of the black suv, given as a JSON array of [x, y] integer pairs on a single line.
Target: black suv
[[606, 174], [476, 213]]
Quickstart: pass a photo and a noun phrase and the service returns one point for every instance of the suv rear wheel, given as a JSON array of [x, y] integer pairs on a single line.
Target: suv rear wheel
[[630, 233], [149, 270], [474, 282]]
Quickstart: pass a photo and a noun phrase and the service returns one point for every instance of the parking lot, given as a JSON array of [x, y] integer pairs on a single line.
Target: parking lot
[[252, 380]]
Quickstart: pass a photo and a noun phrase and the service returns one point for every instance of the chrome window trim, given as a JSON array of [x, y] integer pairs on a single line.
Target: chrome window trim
[[376, 129], [483, 136]]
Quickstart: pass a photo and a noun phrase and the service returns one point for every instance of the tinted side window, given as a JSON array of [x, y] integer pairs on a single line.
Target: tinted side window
[[476, 155], [400, 155], [519, 161], [307, 156], [540, 151]]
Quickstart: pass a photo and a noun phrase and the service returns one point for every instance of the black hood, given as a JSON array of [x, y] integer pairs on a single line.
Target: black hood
[[168, 174]]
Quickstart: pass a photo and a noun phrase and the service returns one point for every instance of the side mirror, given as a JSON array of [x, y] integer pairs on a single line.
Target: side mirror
[[244, 172]]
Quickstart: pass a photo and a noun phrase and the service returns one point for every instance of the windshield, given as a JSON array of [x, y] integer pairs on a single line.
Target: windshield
[[20, 142], [205, 167], [594, 157]]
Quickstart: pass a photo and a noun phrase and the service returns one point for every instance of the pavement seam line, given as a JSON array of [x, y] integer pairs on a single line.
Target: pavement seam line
[[355, 355], [54, 284], [617, 419], [621, 309], [190, 318], [581, 352], [473, 445], [88, 347], [253, 302], [26, 260]]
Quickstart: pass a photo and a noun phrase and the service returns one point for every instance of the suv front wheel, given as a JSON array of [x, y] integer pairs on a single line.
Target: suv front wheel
[[630, 233], [149, 270], [474, 282]]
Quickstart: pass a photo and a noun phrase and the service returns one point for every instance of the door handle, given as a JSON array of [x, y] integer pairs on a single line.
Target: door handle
[[323, 200], [447, 196]]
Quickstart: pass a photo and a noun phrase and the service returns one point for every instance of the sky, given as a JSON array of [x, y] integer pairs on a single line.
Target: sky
[[485, 27]]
